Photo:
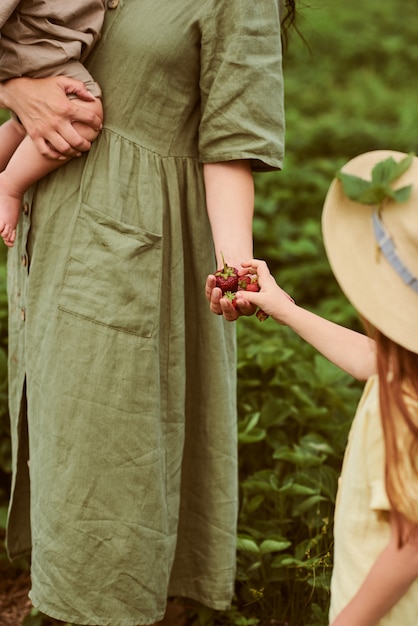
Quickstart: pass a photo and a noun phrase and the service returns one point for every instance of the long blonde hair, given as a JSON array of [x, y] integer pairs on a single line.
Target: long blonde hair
[[397, 368]]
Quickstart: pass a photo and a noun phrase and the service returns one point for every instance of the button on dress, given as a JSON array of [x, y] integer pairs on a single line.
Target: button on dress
[[122, 382]]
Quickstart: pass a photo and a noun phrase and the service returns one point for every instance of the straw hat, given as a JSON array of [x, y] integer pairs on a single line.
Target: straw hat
[[380, 282]]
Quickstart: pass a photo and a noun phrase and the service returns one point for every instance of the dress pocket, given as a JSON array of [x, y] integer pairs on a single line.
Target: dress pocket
[[113, 274]]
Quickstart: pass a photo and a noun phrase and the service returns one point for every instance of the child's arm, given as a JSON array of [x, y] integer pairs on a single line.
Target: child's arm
[[11, 135], [389, 579], [351, 351]]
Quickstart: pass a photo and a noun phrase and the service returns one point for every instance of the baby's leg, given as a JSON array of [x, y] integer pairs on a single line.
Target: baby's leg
[[26, 166], [11, 135]]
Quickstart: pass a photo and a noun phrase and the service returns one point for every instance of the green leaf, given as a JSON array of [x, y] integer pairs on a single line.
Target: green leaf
[[272, 545], [307, 504], [375, 194], [402, 195], [379, 188], [353, 186], [255, 503], [402, 166], [246, 544], [286, 560], [293, 489], [383, 171]]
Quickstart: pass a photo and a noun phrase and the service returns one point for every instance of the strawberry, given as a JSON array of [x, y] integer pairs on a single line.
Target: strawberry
[[232, 296], [249, 282], [253, 284], [261, 315], [227, 278], [243, 281]]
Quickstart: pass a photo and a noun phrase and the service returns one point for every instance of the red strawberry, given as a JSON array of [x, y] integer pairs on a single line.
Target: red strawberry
[[243, 282], [227, 278], [249, 282], [232, 296], [253, 284], [261, 315]]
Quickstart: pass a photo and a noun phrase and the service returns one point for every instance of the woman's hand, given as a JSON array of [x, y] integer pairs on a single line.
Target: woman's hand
[[48, 114]]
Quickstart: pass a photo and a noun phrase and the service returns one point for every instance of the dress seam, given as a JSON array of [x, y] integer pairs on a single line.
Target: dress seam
[[183, 157]]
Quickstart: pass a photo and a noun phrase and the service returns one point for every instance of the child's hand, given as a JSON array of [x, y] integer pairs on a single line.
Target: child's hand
[[271, 298]]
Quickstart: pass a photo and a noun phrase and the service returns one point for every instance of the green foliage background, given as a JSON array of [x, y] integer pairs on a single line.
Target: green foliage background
[[348, 90]]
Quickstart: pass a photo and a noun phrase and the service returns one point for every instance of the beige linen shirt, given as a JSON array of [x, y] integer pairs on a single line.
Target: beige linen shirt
[[44, 37]]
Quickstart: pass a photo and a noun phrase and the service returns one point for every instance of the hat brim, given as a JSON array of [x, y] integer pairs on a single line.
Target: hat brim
[[365, 276]]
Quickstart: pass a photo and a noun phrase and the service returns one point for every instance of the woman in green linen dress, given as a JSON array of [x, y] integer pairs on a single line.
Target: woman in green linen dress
[[122, 381]]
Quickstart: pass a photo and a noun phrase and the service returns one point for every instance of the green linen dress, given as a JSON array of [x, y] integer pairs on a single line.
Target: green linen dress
[[122, 382]]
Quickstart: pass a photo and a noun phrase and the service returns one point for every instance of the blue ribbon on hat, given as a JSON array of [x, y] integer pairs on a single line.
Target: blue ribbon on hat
[[388, 250]]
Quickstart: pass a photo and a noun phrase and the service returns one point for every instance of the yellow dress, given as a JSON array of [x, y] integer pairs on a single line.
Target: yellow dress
[[361, 525]]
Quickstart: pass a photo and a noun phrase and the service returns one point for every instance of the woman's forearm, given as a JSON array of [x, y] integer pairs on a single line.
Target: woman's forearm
[[230, 204]]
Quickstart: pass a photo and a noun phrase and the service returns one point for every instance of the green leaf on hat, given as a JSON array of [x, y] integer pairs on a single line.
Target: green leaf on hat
[[402, 195], [354, 187], [378, 189], [389, 170]]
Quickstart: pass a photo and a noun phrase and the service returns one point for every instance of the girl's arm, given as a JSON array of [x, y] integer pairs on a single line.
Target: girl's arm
[[48, 115], [351, 351], [230, 204], [389, 579]]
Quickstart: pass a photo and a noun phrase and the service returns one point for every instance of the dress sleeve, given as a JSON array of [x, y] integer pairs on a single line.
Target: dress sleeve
[[374, 447], [241, 83]]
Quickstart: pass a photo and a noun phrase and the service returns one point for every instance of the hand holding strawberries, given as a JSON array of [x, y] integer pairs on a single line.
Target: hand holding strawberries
[[221, 288], [271, 298], [226, 290]]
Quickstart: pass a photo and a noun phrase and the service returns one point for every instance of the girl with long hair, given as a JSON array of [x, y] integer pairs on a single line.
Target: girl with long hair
[[371, 238]]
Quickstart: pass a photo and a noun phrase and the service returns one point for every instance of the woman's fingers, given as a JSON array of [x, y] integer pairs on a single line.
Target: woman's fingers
[[48, 114], [63, 144]]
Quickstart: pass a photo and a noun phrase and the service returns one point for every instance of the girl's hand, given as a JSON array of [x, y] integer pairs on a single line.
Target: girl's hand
[[220, 305], [271, 298], [48, 114]]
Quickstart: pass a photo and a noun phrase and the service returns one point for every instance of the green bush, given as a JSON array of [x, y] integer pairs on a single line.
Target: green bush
[[295, 409]]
